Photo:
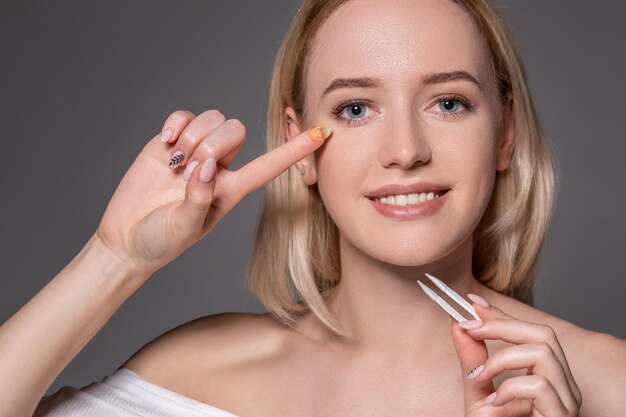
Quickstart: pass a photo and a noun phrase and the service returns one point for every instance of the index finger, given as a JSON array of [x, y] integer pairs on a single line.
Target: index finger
[[270, 165]]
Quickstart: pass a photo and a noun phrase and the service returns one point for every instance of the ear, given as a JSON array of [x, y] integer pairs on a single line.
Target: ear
[[292, 127], [506, 140]]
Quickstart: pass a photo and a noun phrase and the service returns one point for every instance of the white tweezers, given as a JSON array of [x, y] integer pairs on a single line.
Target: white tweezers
[[456, 297]]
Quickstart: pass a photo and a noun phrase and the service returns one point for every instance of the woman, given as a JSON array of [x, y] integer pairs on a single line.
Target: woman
[[367, 109]]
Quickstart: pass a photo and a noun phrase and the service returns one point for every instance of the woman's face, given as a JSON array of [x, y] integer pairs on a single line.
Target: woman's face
[[420, 113]]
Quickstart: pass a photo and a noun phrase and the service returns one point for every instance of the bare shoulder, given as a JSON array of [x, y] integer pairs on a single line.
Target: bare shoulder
[[597, 360], [182, 358]]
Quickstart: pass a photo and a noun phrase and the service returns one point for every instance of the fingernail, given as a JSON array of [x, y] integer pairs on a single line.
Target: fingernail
[[319, 132], [189, 169], [478, 300], [471, 324], [176, 159], [167, 134], [207, 170], [490, 398], [473, 373]]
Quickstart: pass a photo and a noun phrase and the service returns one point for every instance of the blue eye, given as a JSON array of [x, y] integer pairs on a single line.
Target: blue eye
[[454, 106], [356, 109], [449, 106], [352, 112]]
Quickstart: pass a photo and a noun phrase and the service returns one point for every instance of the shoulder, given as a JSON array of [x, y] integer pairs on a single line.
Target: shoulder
[[185, 355], [597, 360], [598, 363]]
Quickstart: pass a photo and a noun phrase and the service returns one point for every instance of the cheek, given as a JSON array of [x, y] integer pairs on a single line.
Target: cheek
[[471, 157], [344, 158], [345, 166], [468, 149]]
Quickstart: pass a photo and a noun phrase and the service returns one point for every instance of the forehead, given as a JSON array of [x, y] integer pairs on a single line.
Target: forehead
[[397, 41]]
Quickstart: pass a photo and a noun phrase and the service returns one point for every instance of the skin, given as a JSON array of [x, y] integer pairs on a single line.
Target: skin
[[406, 357]]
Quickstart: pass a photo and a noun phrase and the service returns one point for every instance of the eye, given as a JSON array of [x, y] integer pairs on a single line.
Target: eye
[[449, 106], [355, 111], [454, 106], [352, 112]]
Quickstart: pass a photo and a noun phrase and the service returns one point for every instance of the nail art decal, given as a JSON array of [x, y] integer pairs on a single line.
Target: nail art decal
[[176, 159], [475, 371]]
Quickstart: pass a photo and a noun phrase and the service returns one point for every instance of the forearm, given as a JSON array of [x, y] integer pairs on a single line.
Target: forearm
[[41, 339]]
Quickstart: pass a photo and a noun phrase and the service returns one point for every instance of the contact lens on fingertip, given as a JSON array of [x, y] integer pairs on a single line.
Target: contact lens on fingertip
[[319, 132]]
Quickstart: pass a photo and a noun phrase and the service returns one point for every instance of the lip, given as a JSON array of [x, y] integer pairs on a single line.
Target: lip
[[415, 188], [413, 211]]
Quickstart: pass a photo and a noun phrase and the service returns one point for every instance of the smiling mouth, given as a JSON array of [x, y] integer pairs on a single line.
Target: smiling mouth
[[409, 199]]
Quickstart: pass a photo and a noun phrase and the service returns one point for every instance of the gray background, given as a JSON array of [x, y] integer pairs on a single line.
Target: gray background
[[84, 85]]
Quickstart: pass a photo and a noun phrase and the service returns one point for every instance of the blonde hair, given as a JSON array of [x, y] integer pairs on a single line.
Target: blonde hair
[[295, 259]]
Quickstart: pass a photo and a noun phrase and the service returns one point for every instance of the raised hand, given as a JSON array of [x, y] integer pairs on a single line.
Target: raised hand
[[547, 390], [155, 213]]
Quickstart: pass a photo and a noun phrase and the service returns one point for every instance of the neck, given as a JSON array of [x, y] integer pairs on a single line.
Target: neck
[[385, 311]]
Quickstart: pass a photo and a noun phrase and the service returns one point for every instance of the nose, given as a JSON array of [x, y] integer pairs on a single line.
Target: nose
[[406, 146]]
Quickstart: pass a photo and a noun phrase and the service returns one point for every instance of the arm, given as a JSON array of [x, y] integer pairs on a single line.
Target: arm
[[155, 214], [41, 339]]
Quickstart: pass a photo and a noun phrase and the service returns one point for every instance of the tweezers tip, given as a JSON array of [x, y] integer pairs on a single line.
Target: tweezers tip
[[439, 283], [434, 279], [430, 293]]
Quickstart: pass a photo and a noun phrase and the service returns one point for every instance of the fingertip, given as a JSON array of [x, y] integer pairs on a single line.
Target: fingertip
[[491, 398], [458, 334], [478, 300], [319, 132], [491, 312], [207, 172], [190, 169], [167, 134]]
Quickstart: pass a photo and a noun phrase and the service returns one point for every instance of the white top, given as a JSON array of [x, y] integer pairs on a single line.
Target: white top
[[123, 394]]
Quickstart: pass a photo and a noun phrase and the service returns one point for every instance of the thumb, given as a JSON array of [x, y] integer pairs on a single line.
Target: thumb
[[191, 214], [472, 354]]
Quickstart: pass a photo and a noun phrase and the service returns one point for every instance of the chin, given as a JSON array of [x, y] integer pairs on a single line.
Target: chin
[[408, 259], [410, 254]]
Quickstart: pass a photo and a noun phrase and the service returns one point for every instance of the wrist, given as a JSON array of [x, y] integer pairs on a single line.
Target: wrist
[[113, 265]]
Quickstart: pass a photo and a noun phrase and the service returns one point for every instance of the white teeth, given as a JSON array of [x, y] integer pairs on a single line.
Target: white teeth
[[404, 199]]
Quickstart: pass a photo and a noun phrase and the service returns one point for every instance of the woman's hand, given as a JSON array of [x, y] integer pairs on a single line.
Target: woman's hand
[[548, 388], [155, 214]]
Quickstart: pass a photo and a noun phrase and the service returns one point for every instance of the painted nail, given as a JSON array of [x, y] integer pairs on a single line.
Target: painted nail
[[319, 132], [189, 169], [471, 324], [176, 159], [478, 300], [490, 398], [473, 373], [208, 170], [167, 134]]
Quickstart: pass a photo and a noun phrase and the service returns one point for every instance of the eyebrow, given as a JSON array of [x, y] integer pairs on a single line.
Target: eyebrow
[[366, 82], [444, 77]]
